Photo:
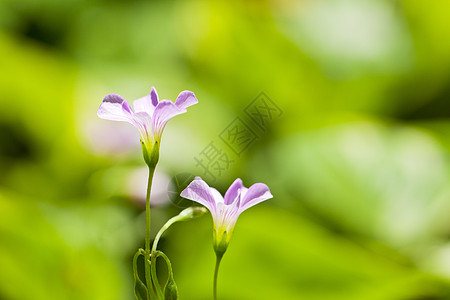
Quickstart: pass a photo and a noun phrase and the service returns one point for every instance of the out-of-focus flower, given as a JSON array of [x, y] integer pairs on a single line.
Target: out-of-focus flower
[[149, 116], [225, 210]]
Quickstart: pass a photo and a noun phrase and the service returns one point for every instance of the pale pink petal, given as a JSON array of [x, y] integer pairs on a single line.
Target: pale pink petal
[[115, 108], [143, 123], [186, 99], [164, 111], [230, 215], [144, 104], [147, 103], [217, 195], [256, 193], [200, 192], [233, 191]]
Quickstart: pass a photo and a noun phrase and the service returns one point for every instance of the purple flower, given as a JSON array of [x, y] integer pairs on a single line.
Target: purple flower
[[149, 116], [225, 210]]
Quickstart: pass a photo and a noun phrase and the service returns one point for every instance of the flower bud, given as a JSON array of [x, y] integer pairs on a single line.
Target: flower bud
[[170, 290], [191, 213], [140, 290]]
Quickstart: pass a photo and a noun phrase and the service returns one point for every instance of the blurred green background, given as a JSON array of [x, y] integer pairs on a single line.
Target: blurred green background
[[358, 162]]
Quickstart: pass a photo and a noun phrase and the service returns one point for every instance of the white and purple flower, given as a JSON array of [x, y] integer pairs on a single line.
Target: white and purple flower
[[225, 210], [149, 116]]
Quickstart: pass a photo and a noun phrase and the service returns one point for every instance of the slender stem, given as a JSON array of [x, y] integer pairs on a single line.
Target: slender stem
[[169, 265], [151, 267], [148, 279], [151, 171], [155, 254], [154, 277], [161, 231], [139, 287], [216, 272], [135, 258]]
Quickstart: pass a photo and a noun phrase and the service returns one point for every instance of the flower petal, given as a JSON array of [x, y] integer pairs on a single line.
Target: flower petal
[[199, 191], [186, 99], [233, 191], [217, 195], [144, 104], [256, 193], [115, 108], [154, 96], [164, 111], [147, 103], [143, 123]]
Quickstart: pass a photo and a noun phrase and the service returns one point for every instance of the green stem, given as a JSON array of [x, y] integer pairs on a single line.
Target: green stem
[[169, 264], [187, 214], [170, 288], [148, 279], [161, 231], [135, 258], [216, 272], [151, 268], [154, 277], [151, 171], [155, 253], [140, 290]]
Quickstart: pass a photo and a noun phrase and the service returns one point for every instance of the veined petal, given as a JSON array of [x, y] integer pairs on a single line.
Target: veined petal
[[164, 111], [225, 215], [244, 191], [115, 108], [186, 99], [255, 194], [147, 103], [144, 104], [200, 192], [233, 191], [230, 215], [143, 123], [217, 195]]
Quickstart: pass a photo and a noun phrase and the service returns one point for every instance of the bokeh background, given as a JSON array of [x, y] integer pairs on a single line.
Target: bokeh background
[[358, 160]]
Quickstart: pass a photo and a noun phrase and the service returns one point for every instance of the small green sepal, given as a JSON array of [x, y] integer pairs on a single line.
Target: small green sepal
[[221, 242], [150, 153]]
